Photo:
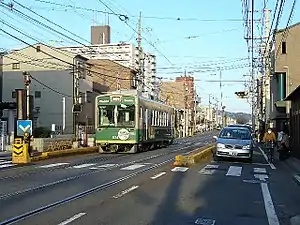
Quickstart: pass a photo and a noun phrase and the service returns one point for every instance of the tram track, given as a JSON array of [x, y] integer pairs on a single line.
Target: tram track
[[95, 159], [44, 186]]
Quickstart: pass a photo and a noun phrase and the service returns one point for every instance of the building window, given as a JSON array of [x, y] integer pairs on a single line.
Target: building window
[[37, 94], [13, 94], [38, 48], [16, 66], [283, 47]]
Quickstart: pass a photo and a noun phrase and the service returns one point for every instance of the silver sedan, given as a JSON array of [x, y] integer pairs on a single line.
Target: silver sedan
[[234, 142]]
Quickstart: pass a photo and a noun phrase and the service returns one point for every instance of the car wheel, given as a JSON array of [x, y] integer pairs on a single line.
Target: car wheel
[[216, 158]]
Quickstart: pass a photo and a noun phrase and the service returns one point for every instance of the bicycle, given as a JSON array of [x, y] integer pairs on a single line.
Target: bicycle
[[269, 146]]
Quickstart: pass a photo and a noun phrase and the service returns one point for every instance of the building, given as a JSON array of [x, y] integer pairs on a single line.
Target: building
[[181, 95], [285, 73], [109, 76], [100, 35], [294, 98], [151, 88], [123, 53], [53, 80]]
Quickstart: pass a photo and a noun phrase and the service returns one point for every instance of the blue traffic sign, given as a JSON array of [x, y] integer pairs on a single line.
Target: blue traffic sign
[[24, 126]]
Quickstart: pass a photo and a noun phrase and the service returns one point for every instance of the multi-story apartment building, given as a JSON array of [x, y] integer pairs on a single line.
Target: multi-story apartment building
[[123, 53], [151, 88], [51, 86], [285, 73]]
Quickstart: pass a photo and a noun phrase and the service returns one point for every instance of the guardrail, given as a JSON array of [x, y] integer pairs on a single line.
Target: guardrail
[[194, 156], [66, 152]]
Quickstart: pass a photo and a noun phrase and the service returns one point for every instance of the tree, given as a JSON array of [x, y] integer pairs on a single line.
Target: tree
[[241, 120]]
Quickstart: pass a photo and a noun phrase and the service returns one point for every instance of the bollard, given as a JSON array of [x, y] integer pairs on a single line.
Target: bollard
[[179, 161], [20, 154]]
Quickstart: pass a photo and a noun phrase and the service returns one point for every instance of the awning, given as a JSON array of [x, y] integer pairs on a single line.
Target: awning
[[280, 104]]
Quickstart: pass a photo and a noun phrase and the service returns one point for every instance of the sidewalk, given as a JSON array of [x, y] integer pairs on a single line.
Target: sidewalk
[[294, 165]]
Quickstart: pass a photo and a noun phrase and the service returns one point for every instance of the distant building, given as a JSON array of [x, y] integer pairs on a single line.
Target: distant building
[[52, 81], [181, 94]]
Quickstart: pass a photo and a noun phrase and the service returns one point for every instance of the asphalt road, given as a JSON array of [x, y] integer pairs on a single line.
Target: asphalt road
[[223, 192], [23, 189]]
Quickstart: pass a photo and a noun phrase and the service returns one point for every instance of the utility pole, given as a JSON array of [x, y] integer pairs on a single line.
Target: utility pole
[[27, 82], [78, 73], [221, 97], [266, 74], [209, 111], [252, 63], [141, 80], [185, 108], [64, 115]]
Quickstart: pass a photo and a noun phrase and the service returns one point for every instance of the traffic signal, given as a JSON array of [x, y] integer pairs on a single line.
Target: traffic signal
[[8, 105], [241, 94]]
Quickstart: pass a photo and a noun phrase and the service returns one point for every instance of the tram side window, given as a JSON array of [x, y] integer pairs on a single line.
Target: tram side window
[[106, 115], [168, 119]]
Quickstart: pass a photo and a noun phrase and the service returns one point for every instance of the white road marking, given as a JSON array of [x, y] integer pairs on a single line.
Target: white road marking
[[179, 169], [252, 163], [209, 169], [5, 162], [133, 167], [261, 176], [269, 206], [6, 165], [202, 221], [75, 217], [84, 165], [266, 158], [103, 167], [158, 175], [235, 171], [260, 170], [53, 165], [126, 191]]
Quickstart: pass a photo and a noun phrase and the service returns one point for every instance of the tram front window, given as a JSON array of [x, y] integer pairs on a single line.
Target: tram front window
[[126, 114], [106, 115]]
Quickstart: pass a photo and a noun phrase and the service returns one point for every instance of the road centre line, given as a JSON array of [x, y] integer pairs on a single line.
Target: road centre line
[[70, 220], [158, 175], [266, 158], [126, 191]]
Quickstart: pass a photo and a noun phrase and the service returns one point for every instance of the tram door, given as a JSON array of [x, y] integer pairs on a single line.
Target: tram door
[[146, 124]]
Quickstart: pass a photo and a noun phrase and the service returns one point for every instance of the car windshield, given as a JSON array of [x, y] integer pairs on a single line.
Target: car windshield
[[232, 133]]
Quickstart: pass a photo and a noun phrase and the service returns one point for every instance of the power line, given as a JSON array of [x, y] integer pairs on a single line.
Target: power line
[[102, 2], [25, 7], [146, 17]]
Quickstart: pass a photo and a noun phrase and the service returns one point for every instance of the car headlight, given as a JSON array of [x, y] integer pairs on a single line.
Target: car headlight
[[246, 147], [219, 145]]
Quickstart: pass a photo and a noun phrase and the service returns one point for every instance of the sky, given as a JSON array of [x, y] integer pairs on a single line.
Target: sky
[[206, 41]]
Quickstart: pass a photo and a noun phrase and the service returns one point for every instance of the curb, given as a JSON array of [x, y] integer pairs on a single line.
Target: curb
[[61, 153], [194, 156]]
